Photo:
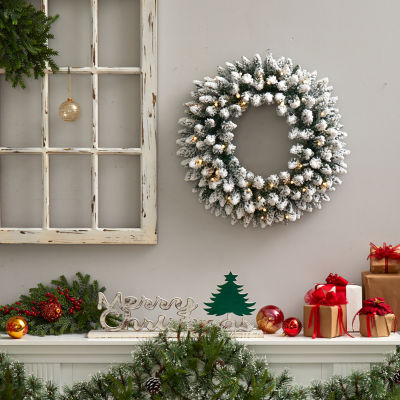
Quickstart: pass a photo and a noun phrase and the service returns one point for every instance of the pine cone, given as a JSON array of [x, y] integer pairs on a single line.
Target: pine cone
[[220, 363], [153, 385], [396, 377]]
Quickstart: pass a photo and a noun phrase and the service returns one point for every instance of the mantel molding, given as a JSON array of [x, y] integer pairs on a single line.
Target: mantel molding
[[68, 358]]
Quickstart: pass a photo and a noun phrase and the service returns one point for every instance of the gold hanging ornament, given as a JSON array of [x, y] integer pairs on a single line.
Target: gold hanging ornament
[[69, 110]]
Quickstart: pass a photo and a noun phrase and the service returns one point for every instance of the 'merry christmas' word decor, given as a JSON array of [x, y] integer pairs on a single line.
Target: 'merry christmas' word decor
[[126, 306], [206, 142]]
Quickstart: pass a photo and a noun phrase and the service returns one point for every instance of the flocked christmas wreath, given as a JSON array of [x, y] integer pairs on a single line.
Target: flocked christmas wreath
[[206, 143]]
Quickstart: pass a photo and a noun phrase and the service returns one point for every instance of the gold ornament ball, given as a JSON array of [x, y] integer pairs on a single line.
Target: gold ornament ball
[[69, 110], [17, 327]]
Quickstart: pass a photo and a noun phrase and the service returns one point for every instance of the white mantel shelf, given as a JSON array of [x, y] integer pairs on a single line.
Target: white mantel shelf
[[69, 358]]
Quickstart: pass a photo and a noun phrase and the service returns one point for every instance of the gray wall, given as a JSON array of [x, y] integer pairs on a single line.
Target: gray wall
[[355, 44]]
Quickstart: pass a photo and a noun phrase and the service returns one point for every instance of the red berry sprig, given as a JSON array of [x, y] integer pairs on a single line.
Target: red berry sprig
[[76, 304]]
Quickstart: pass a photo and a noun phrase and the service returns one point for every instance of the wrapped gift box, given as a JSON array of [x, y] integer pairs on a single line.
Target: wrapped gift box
[[384, 259], [383, 285], [328, 320], [354, 303], [380, 325]]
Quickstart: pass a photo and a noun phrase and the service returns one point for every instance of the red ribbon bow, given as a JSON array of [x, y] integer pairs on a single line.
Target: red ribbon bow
[[337, 280], [340, 283], [377, 306], [385, 252], [323, 297]]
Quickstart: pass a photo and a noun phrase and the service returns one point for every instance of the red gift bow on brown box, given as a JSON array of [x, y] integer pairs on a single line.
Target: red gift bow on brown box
[[335, 280], [323, 297], [385, 252], [372, 307]]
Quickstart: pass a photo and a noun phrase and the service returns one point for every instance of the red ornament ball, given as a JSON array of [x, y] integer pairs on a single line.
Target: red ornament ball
[[269, 319], [51, 311], [292, 326]]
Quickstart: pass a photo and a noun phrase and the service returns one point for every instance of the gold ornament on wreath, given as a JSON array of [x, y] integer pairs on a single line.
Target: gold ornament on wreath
[[69, 110], [317, 154]]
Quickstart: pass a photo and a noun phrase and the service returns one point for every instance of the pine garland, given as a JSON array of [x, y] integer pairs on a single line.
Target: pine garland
[[206, 364], [77, 299], [24, 32], [15, 384]]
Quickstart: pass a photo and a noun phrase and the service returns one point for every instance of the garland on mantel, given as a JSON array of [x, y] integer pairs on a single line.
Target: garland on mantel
[[62, 307], [206, 364]]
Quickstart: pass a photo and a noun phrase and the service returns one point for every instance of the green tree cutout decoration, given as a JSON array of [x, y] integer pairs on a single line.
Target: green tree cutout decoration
[[229, 299]]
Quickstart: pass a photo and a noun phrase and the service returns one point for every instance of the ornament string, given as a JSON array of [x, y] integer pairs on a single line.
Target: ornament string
[[69, 84]]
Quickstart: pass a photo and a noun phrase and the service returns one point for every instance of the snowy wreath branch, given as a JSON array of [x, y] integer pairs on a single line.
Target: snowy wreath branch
[[206, 141]]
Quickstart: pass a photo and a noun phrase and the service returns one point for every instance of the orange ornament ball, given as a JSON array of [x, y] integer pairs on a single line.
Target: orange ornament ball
[[17, 327], [269, 319]]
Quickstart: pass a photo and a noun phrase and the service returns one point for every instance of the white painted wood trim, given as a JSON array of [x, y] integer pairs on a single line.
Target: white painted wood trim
[[92, 70], [148, 160], [66, 356], [94, 207], [135, 151], [73, 236], [45, 143], [146, 233]]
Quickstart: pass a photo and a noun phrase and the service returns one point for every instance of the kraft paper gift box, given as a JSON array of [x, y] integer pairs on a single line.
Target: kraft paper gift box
[[383, 285], [354, 303], [384, 259], [328, 320], [379, 325]]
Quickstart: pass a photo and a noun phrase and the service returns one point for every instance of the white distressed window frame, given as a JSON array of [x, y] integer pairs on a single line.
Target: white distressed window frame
[[147, 233]]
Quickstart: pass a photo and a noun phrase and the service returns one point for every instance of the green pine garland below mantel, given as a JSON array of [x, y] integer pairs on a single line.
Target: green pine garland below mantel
[[204, 365], [24, 33]]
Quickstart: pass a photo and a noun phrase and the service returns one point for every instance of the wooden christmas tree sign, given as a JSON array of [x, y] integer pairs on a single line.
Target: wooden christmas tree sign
[[229, 300]]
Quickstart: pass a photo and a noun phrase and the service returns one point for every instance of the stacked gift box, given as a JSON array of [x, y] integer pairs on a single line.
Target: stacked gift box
[[336, 308], [383, 279], [330, 308]]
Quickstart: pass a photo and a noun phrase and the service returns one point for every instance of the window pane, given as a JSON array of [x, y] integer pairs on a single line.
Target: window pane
[[20, 114], [70, 134], [119, 191], [21, 190], [119, 33], [72, 32], [70, 191], [119, 111]]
